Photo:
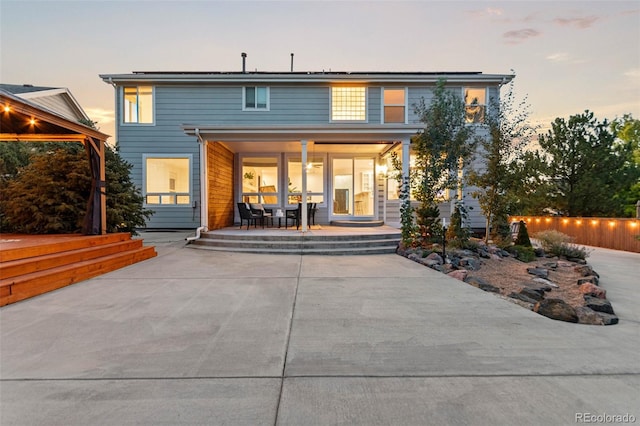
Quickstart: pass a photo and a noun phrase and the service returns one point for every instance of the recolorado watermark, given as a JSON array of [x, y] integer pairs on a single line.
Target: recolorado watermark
[[605, 418]]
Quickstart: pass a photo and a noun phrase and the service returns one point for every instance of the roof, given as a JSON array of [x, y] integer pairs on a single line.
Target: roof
[[15, 125], [304, 77], [17, 89], [56, 99]]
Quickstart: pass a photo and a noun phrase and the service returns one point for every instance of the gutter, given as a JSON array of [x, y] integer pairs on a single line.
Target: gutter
[[199, 229]]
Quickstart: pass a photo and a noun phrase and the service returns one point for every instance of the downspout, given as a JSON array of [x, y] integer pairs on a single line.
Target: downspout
[[203, 188]]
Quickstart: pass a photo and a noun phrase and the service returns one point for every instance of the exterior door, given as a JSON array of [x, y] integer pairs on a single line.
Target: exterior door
[[353, 187]]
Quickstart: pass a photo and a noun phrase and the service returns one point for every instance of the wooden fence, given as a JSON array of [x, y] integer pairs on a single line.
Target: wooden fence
[[613, 233]]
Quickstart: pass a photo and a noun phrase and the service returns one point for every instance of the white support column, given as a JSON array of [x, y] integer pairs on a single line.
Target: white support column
[[204, 182], [304, 212]]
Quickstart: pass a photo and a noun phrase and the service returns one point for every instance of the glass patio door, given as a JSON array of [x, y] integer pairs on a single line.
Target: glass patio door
[[353, 187]]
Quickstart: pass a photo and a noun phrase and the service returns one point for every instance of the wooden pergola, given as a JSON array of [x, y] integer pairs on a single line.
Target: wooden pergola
[[24, 121]]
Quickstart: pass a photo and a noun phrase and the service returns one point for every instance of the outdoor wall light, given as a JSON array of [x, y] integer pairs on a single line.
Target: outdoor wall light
[[594, 222], [7, 108]]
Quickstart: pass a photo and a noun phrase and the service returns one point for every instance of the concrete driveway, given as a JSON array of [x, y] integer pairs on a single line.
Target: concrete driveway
[[200, 337]]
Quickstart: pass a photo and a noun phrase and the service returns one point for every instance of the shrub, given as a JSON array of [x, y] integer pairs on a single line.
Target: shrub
[[523, 235], [522, 253], [559, 244]]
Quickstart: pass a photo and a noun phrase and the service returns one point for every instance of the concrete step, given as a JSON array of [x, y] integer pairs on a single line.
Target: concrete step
[[300, 244]]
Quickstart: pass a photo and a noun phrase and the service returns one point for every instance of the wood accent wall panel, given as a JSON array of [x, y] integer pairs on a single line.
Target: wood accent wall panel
[[220, 182]]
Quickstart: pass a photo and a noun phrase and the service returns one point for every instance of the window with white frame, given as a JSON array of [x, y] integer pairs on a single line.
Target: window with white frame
[[167, 180], [394, 105], [348, 104], [475, 105], [255, 98], [260, 180], [315, 179], [137, 104]]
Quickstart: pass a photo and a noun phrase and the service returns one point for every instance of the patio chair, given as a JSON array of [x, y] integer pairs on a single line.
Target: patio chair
[[311, 213], [266, 215], [246, 214], [293, 215]]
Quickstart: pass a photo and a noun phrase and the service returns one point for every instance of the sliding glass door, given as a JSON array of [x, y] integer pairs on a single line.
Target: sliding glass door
[[353, 187]]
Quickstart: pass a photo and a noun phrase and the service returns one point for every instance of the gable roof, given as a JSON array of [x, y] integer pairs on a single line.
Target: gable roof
[[56, 99]]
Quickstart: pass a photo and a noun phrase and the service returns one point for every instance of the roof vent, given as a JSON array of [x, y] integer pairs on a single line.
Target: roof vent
[[244, 62]]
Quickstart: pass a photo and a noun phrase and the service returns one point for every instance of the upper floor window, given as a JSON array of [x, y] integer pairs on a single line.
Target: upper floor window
[[475, 105], [348, 104], [394, 105], [256, 97], [138, 105]]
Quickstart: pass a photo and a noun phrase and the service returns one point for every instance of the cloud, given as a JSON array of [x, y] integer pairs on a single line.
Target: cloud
[[582, 23], [488, 12], [558, 57], [563, 57], [633, 73], [518, 36], [100, 115]]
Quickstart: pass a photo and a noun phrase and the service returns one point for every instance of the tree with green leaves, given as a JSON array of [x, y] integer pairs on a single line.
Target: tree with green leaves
[[445, 144], [48, 193], [508, 131], [583, 165], [627, 131]]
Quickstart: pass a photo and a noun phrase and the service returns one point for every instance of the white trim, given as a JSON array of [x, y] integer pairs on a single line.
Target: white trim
[[144, 179], [382, 104], [153, 105], [255, 109]]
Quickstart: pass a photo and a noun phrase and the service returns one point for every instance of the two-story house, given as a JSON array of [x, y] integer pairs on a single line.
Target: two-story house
[[200, 142]]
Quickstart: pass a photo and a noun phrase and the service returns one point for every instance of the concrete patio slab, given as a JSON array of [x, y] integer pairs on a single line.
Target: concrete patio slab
[[477, 401], [136, 328], [153, 402], [197, 337]]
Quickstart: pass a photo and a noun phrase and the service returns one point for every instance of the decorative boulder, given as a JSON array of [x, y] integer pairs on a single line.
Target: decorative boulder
[[556, 309], [593, 279], [584, 270], [600, 305], [523, 297], [460, 274], [532, 293], [481, 284], [539, 272], [593, 290], [436, 257]]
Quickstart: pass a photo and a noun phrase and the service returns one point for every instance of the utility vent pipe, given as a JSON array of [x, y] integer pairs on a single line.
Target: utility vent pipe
[[292, 62], [244, 62]]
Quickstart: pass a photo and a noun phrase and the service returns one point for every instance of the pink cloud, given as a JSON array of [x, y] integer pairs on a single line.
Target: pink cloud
[[581, 23], [518, 36]]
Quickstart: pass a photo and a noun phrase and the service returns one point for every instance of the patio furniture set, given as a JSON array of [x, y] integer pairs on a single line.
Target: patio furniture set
[[256, 213]]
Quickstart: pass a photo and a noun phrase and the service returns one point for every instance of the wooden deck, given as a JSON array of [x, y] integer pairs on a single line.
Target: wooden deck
[[35, 264]]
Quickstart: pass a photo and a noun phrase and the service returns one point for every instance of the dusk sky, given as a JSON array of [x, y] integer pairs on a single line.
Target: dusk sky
[[568, 56]]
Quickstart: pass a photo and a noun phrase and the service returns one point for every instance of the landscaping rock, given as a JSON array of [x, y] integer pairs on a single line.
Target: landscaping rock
[[589, 316], [577, 260], [460, 274], [470, 263], [538, 272], [545, 282], [584, 270], [430, 263], [538, 252], [536, 295], [436, 257], [593, 290], [540, 288], [551, 265], [523, 297], [592, 279], [599, 305], [556, 309], [481, 284]]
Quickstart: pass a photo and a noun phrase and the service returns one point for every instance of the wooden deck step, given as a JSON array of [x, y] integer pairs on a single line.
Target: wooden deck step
[[25, 266], [32, 284]]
